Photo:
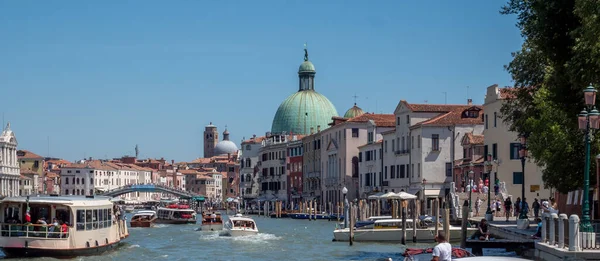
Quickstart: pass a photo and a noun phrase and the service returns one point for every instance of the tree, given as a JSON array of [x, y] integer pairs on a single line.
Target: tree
[[560, 57]]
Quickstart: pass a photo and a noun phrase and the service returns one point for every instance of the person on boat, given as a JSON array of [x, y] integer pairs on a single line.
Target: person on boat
[[482, 232], [213, 217], [64, 229], [443, 250], [27, 217]]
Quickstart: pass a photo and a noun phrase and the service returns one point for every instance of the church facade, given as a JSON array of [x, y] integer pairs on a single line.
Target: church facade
[[9, 164]]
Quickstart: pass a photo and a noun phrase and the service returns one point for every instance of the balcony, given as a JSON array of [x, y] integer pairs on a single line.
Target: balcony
[[282, 161], [314, 175], [385, 183]]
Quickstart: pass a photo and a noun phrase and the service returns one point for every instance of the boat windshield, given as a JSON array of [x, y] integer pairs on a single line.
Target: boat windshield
[[243, 224]]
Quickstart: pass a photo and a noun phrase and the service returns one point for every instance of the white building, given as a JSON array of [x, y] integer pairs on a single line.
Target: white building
[[418, 155], [340, 155], [272, 165], [370, 165], [249, 173], [78, 179], [9, 165], [504, 146]]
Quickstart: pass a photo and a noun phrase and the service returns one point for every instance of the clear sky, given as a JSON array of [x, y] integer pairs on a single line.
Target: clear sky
[[99, 77]]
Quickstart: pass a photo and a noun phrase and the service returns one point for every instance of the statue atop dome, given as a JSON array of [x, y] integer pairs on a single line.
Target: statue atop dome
[[305, 53]]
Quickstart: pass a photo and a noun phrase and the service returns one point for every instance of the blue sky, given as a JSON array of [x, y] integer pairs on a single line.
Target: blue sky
[[99, 77]]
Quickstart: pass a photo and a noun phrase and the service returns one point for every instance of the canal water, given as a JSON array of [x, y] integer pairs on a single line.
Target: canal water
[[279, 239]]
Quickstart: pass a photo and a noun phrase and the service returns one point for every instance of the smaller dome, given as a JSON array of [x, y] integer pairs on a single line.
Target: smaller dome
[[225, 147], [306, 66], [353, 112]]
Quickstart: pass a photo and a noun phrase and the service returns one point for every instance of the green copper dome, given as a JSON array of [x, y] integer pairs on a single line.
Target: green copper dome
[[353, 112], [306, 66], [306, 108], [305, 105]]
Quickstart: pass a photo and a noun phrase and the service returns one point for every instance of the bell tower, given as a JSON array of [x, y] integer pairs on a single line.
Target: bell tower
[[211, 138]]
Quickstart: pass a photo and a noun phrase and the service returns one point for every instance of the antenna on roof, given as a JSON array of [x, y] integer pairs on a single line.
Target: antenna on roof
[[445, 97], [468, 92], [425, 101], [3, 121], [48, 153], [354, 98]]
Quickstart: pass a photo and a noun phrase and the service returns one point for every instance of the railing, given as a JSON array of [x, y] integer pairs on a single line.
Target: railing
[[31, 230], [553, 233]]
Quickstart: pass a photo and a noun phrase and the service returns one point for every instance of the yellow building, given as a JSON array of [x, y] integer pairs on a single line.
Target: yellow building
[[32, 171]]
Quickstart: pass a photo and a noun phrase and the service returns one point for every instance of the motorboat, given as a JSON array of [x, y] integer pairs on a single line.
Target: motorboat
[[457, 254], [210, 223], [176, 214], [83, 225], [129, 209], [144, 218], [239, 225], [382, 229]]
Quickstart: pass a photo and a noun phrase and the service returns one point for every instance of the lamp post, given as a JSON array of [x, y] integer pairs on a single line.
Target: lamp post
[[523, 156], [346, 207], [588, 120], [488, 163], [471, 165]]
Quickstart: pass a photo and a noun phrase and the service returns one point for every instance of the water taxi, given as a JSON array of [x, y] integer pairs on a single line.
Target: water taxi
[[129, 209], [390, 230], [240, 226], [210, 223], [176, 214], [59, 226], [144, 218]]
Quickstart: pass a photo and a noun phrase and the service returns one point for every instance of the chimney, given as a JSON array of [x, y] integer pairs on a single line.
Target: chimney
[[90, 159], [469, 101], [253, 136], [172, 162], [318, 128], [312, 130]]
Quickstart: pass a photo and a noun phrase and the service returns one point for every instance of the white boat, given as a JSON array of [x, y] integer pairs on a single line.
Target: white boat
[[240, 226], [176, 214], [86, 225], [129, 209], [382, 229]]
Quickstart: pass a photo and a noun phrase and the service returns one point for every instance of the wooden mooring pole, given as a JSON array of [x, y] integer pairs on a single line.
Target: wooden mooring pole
[[463, 230]]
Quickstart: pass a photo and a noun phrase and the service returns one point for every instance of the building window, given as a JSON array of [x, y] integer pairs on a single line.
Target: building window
[[354, 132], [494, 151], [393, 172], [418, 141], [385, 172], [486, 121], [408, 120], [448, 169], [412, 142], [495, 118], [385, 146], [485, 150], [517, 178], [514, 151], [398, 121], [435, 142]]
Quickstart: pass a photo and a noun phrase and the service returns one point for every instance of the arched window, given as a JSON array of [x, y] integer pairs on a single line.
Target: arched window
[[355, 167], [77, 181], [66, 192]]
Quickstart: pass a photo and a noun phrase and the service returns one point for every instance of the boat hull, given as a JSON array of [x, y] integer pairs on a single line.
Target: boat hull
[[240, 233], [175, 222], [46, 252], [141, 224], [211, 227], [395, 235], [307, 216]]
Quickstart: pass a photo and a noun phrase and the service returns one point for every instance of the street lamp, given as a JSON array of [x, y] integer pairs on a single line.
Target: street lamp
[[523, 156], [588, 120], [346, 207], [488, 163], [471, 165]]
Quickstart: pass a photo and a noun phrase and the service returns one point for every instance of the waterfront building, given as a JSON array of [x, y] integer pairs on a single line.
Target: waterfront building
[[294, 162], [473, 152], [504, 145], [340, 154], [311, 171], [78, 178], [9, 164], [272, 166], [249, 186], [370, 171], [419, 153], [31, 167], [205, 182], [306, 108]]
